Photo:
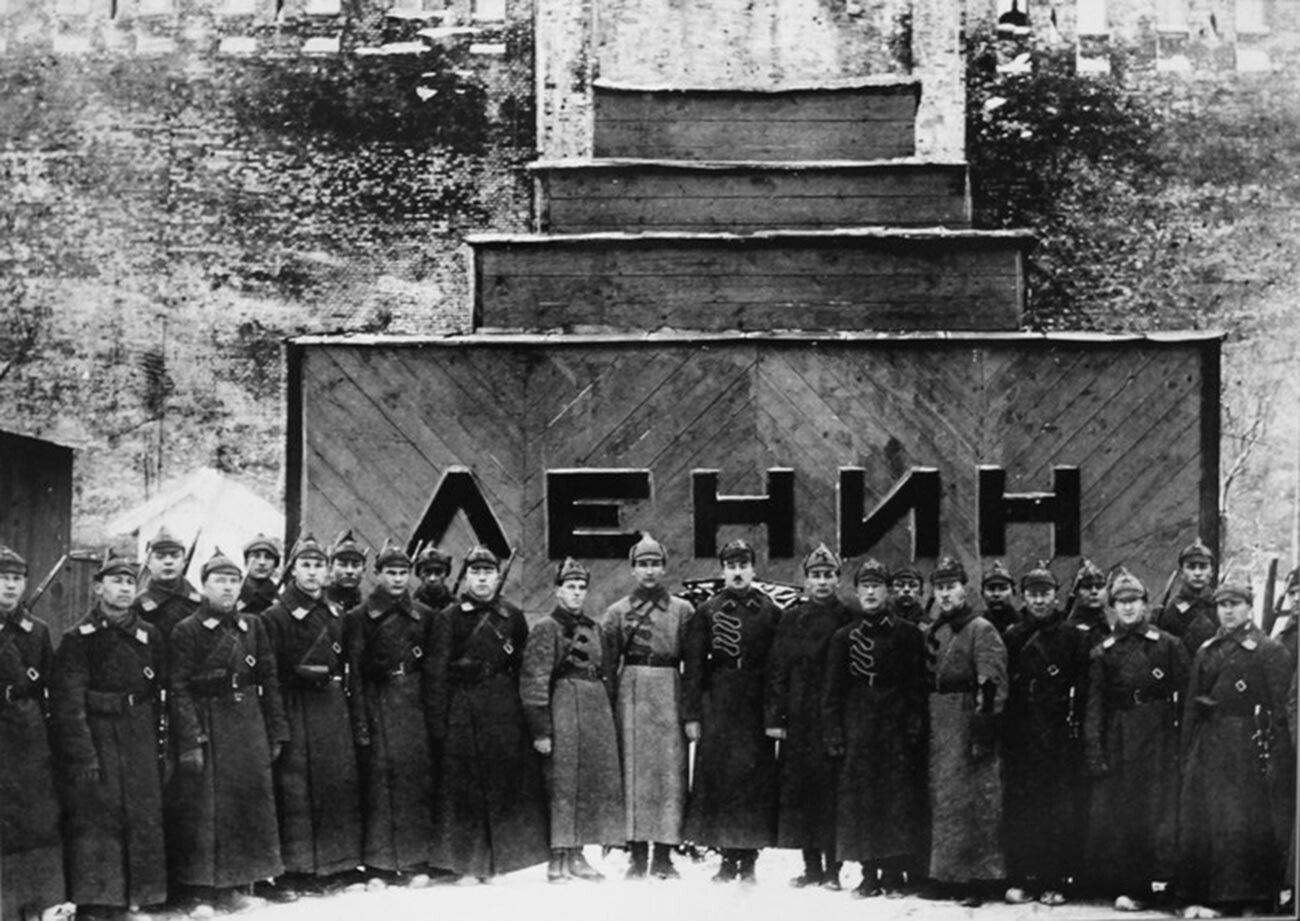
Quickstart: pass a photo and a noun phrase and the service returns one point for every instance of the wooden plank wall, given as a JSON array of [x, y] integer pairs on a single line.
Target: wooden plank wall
[[854, 281], [859, 123], [35, 503], [382, 423]]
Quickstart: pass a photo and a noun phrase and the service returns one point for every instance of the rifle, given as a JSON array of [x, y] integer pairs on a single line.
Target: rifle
[[1072, 727], [1169, 586], [1271, 609], [45, 583], [189, 554], [460, 576], [505, 573]]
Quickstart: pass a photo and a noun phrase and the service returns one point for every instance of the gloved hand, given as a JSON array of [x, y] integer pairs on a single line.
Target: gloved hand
[[191, 762]]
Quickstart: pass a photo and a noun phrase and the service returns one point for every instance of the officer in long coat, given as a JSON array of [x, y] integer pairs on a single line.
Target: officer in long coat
[[997, 590], [386, 645], [261, 557], [796, 676], [347, 564], [106, 697], [567, 691], [1047, 664], [169, 597], [1131, 743], [874, 717], [967, 668], [1190, 613], [1238, 765], [316, 783], [490, 806], [432, 567], [732, 805], [31, 850], [644, 633], [228, 718]]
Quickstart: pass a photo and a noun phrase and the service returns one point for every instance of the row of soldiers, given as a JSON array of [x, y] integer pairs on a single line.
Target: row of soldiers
[[195, 742]]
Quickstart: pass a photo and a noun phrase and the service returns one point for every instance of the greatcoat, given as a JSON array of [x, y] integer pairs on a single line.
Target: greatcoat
[[256, 595], [1189, 615], [796, 673], [643, 635], [490, 806], [567, 693], [105, 701], [225, 699], [31, 859], [166, 604], [316, 784], [386, 646], [1238, 769], [964, 652], [1131, 744], [874, 712], [732, 803]]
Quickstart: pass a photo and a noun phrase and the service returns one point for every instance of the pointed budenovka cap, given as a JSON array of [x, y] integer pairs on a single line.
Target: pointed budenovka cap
[[431, 558], [997, 574], [1089, 574], [947, 569], [346, 545], [479, 555], [392, 554], [571, 569], [738, 549], [871, 570], [1041, 576], [306, 546], [1125, 585], [114, 565], [164, 541], [219, 562], [907, 571], [647, 548], [821, 557], [1235, 587], [11, 562], [1196, 550], [265, 543]]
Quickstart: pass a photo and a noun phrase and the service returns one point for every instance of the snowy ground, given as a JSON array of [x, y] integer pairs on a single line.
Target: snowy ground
[[526, 894]]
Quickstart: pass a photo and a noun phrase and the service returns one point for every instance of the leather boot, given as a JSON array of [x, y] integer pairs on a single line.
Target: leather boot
[[662, 863], [557, 871], [727, 872], [747, 860], [580, 869], [831, 878], [812, 869], [640, 853]]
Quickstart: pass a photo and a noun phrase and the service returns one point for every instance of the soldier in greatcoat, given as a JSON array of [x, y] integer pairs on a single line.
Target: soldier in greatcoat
[[1238, 765], [997, 589], [169, 597], [874, 718], [386, 648], [106, 697], [796, 677], [347, 564], [1087, 611], [732, 806], [567, 691], [1289, 633], [316, 783], [261, 557], [905, 588], [1190, 613], [432, 567], [643, 635], [1047, 662], [967, 667], [228, 719], [490, 805], [1131, 751], [31, 850]]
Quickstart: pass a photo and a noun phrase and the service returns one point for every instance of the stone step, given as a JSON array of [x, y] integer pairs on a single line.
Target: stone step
[[591, 196], [868, 119], [847, 279]]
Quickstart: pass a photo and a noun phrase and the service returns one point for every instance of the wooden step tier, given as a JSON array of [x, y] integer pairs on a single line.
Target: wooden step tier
[[850, 279], [868, 120], [593, 196]]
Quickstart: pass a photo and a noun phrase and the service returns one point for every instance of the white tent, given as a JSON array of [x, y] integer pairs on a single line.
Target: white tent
[[229, 514]]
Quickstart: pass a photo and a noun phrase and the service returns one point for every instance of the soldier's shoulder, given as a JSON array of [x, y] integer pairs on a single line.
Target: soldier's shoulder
[[680, 605], [425, 611]]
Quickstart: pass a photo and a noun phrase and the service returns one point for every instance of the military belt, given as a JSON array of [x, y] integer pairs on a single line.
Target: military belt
[[726, 663], [580, 673], [955, 687], [309, 683], [223, 686], [26, 691], [115, 703], [651, 660], [473, 672], [1128, 698]]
